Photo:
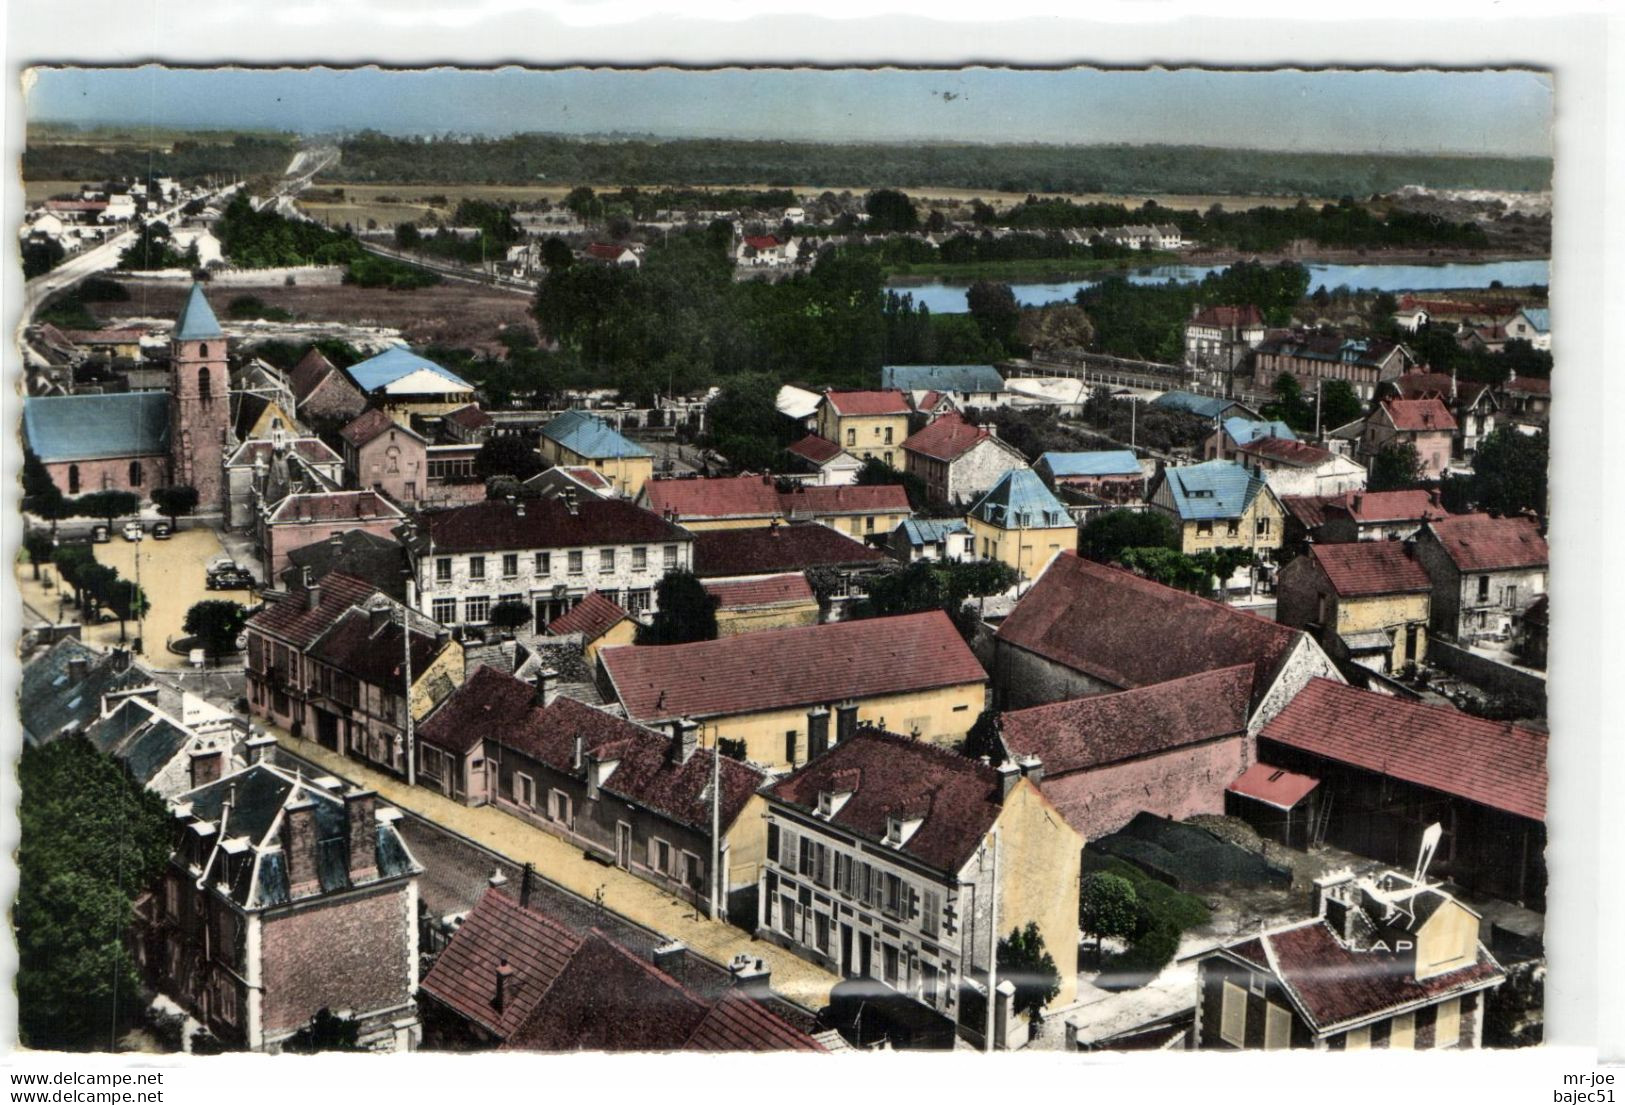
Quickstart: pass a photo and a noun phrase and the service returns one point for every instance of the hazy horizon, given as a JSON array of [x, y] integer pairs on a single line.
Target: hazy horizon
[[1480, 113]]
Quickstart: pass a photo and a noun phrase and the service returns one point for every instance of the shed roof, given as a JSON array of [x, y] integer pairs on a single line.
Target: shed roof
[[398, 369], [1273, 786]]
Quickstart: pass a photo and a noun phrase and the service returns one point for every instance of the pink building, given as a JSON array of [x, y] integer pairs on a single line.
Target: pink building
[[1424, 423], [382, 455], [300, 519]]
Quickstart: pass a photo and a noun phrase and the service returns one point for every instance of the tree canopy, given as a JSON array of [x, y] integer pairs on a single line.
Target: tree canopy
[[1510, 472], [507, 455], [685, 612], [175, 501], [1028, 965], [1396, 467], [1106, 906], [1105, 536], [216, 623]]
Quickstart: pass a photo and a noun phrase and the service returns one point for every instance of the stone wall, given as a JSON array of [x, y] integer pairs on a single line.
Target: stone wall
[[1488, 674]]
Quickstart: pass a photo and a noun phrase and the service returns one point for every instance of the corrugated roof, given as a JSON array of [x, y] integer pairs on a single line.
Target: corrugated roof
[[1020, 500], [785, 668], [1481, 543], [396, 364], [1212, 489], [1493, 763], [1273, 786], [67, 428], [1098, 462], [196, 321], [591, 437], [1361, 568], [942, 377], [1109, 728]]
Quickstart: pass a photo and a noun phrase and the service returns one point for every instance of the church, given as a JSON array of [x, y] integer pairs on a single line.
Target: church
[[136, 441]]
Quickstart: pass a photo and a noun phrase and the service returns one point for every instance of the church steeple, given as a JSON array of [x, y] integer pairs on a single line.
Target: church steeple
[[199, 401]]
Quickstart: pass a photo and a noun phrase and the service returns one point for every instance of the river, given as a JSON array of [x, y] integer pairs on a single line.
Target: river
[[946, 297]]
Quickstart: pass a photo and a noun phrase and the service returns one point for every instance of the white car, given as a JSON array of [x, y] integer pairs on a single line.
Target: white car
[[133, 531]]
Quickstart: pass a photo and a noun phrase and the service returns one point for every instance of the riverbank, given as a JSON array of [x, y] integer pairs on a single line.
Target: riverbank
[[1365, 256], [1036, 269]]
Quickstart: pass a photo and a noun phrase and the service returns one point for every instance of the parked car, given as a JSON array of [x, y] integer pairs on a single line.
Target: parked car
[[101, 534], [161, 531], [133, 531], [236, 579]]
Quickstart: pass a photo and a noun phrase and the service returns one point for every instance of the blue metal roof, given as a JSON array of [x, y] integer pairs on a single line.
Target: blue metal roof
[[197, 320], [1020, 500], [93, 427], [941, 377], [1214, 489], [1101, 462], [1245, 431], [928, 531], [592, 437], [393, 364], [1539, 317], [1204, 405]]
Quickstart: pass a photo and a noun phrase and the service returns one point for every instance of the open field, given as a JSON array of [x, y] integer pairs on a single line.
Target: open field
[[452, 313]]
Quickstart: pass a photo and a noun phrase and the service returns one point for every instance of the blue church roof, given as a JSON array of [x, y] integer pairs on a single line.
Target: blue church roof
[[1020, 500], [1100, 462], [591, 437], [197, 320], [395, 364], [64, 428], [1213, 489]]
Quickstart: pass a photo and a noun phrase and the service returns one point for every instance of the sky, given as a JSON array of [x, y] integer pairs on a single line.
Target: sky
[[1483, 112]]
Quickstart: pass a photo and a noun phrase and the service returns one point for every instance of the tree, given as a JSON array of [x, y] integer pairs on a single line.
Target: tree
[[984, 738], [510, 614], [71, 561], [685, 612], [1338, 404], [1024, 961], [40, 545], [175, 501], [109, 505], [326, 1031], [995, 310], [1106, 906], [92, 839], [1169, 567], [1105, 536], [1509, 472], [216, 623], [744, 420], [507, 455], [890, 211], [408, 237], [40, 256], [1289, 405], [1396, 467], [556, 253]]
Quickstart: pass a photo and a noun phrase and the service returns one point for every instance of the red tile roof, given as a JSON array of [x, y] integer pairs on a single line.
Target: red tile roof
[[502, 709], [819, 450], [592, 617], [1131, 632], [1246, 315], [1419, 414], [1481, 543], [806, 502], [1333, 985], [737, 1023], [1386, 506], [370, 424], [544, 524], [762, 241], [956, 797], [1309, 510], [1359, 568], [1273, 786], [496, 931], [334, 506], [890, 401], [947, 438], [469, 417], [716, 497], [775, 669], [1493, 763], [605, 251], [781, 590], [1300, 454], [722, 553], [1419, 385], [1529, 385], [373, 656], [311, 370], [1110, 728], [588, 477], [104, 337], [287, 618]]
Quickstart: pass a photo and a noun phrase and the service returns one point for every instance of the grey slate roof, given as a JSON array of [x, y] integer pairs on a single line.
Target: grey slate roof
[[52, 702], [589, 436], [196, 321], [380, 561], [142, 738], [941, 377], [1020, 499], [1214, 489], [92, 427]]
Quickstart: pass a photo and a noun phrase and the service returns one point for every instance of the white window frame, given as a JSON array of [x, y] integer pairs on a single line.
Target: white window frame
[[544, 563], [524, 790]]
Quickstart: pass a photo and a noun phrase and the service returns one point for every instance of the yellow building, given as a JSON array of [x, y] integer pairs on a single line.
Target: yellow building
[[866, 423], [768, 602], [599, 621], [1220, 505], [578, 439], [887, 859], [786, 695], [1366, 601], [1020, 522]]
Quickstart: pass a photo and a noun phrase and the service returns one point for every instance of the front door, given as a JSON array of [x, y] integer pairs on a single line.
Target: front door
[[623, 845], [846, 950], [863, 954]]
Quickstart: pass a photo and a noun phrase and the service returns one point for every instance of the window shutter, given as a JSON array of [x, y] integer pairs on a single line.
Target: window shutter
[[913, 902], [1233, 1015], [933, 911], [787, 852], [652, 853]]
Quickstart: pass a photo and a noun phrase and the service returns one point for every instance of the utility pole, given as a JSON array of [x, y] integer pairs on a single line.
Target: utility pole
[[1318, 383], [992, 945], [716, 825], [406, 649]]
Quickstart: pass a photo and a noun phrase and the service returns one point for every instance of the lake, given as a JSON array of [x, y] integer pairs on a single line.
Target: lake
[[944, 297]]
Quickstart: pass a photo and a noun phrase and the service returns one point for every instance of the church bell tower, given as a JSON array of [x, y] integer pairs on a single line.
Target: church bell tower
[[199, 402]]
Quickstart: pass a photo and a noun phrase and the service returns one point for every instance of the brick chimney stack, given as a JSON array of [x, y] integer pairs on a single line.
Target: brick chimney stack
[[260, 748], [207, 765], [1009, 774], [685, 737], [78, 668], [361, 819], [299, 845], [547, 687], [505, 973]]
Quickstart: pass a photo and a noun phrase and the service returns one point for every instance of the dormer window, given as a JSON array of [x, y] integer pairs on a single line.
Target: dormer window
[[900, 829], [831, 801]]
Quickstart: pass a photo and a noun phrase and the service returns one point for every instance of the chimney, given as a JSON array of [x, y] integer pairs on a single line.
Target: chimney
[[669, 957], [207, 765], [579, 756], [299, 845], [773, 527], [546, 682], [1008, 774], [121, 660], [360, 816], [1032, 768], [313, 591], [78, 668], [336, 541], [260, 748], [684, 739], [752, 976], [504, 972]]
